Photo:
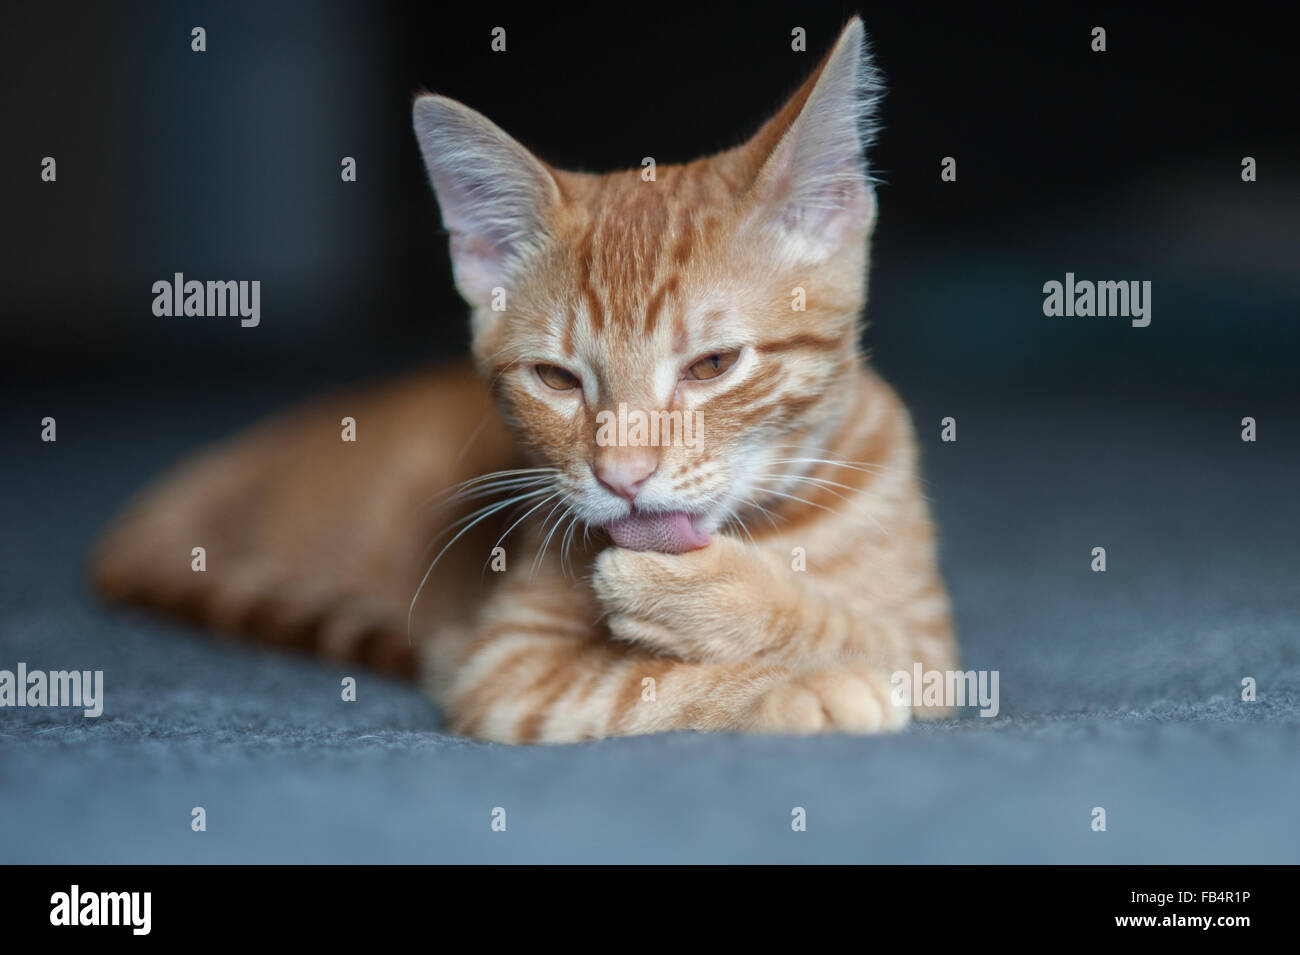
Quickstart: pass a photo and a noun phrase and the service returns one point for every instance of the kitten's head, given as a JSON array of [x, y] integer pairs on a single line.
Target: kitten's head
[[727, 291]]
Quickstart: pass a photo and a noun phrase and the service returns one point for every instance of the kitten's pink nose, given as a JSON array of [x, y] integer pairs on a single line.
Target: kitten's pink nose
[[625, 472]]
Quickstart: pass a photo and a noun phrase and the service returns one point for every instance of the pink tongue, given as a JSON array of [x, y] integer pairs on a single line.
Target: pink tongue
[[669, 533]]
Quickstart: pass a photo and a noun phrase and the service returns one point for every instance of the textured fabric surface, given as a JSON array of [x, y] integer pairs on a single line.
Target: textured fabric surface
[[1118, 690]]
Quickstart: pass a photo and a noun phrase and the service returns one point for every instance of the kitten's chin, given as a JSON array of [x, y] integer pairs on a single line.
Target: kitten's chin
[[668, 532]]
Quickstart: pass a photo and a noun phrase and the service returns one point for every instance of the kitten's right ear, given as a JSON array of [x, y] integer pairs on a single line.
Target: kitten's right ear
[[494, 194]]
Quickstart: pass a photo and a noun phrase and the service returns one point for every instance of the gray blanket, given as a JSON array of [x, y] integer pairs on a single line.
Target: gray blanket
[[1120, 690]]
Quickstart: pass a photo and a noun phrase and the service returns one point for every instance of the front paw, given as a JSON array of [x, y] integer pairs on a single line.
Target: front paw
[[692, 605]]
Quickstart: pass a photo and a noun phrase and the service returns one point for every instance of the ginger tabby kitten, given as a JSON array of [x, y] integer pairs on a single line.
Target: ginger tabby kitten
[[767, 577]]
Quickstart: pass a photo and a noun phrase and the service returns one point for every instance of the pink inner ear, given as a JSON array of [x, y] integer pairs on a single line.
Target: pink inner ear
[[842, 213], [476, 223], [831, 205], [478, 265]]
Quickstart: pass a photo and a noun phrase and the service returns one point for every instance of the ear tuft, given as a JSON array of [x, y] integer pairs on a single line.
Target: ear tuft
[[495, 196]]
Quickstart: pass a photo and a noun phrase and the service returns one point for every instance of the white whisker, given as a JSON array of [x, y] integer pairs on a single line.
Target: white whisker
[[815, 482], [478, 516], [792, 497], [541, 551], [524, 517], [863, 466], [492, 479]]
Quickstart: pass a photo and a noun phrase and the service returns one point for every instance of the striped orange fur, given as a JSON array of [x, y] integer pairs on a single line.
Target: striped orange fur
[[789, 558]]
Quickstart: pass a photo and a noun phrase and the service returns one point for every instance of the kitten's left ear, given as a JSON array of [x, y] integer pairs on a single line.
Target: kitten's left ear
[[812, 185]]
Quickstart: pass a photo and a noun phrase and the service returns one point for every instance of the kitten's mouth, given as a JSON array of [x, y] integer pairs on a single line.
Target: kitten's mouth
[[668, 532]]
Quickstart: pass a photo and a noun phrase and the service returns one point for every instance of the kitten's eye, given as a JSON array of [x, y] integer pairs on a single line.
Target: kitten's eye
[[711, 366], [553, 376]]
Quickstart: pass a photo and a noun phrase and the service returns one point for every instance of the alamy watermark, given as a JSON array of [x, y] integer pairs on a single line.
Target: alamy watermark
[[75, 907], [648, 429], [209, 299], [946, 688], [1103, 299], [80, 689]]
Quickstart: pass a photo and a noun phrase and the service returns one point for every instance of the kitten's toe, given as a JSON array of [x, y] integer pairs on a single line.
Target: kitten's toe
[[829, 700], [789, 708]]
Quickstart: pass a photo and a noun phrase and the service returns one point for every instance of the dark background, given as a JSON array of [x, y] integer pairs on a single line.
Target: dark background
[[225, 164]]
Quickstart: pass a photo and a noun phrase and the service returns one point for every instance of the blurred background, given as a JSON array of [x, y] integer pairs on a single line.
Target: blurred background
[[225, 165]]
